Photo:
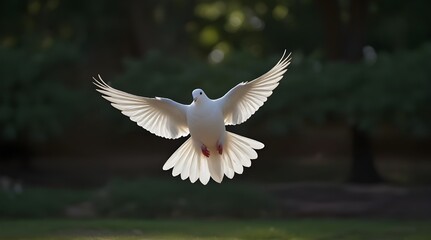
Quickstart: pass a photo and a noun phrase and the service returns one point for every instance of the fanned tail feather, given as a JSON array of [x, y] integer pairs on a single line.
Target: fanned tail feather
[[237, 153], [188, 161]]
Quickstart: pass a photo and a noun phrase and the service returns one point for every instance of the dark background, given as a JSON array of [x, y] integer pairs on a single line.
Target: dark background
[[353, 108]]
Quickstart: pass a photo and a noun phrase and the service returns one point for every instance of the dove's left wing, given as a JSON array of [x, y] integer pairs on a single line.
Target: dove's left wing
[[161, 116], [246, 98]]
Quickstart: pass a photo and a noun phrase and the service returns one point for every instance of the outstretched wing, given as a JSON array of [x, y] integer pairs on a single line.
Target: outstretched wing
[[246, 98], [161, 116]]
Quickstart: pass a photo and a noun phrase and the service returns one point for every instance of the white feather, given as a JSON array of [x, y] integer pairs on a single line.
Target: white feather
[[246, 98], [204, 174], [160, 116]]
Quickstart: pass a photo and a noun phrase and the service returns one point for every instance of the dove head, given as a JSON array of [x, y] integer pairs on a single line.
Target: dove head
[[198, 94]]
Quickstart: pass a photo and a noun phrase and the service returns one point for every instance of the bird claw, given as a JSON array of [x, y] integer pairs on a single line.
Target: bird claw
[[205, 151], [220, 148]]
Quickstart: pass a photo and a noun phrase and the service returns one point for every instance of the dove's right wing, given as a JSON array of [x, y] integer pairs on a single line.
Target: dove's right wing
[[161, 116]]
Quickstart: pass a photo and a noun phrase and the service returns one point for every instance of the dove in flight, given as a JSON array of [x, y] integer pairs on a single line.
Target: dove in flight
[[211, 151]]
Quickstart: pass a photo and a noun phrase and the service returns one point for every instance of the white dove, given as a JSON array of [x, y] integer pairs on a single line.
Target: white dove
[[211, 151]]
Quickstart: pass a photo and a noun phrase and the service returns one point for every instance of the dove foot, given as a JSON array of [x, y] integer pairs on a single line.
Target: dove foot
[[220, 148], [205, 151]]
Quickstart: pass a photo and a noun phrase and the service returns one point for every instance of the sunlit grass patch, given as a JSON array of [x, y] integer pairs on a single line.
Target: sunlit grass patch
[[308, 229]]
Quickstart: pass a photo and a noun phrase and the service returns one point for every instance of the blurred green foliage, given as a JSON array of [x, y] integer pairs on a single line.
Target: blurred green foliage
[[172, 198], [393, 90], [39, 202], [35, 98], [150, 198]]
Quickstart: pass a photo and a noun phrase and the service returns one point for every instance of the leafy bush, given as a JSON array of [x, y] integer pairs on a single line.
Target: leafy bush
[[149, 198], [174, 198], [39, 202], [35, 100], [393, 91]]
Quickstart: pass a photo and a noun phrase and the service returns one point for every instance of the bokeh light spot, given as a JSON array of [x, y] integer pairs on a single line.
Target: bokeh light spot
[[210, 11], [209, 36], [235, 20], [216, 56], [280, 12]]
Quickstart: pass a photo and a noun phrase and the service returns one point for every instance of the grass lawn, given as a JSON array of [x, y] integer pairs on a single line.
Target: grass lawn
[[305, 229]]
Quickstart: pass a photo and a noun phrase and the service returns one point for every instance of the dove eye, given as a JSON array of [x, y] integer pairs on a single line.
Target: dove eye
[[200, 93]]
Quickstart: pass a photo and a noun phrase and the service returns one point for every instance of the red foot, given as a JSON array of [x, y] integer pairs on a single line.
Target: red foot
[[220, 148], [205, 151]]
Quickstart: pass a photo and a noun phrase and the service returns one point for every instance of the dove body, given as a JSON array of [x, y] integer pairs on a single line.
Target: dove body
[[205, 122], [211, 151]]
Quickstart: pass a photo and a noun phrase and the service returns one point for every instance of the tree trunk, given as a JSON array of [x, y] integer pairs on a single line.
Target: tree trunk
[[333, 30], [363, 168], [356, 30], [140, 28], [345, 42]]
